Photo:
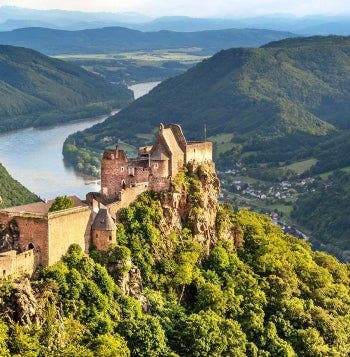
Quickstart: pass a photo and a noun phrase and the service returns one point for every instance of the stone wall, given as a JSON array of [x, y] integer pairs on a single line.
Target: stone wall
[[13, 264], [32, 233], [159, 184], [139, 174], [199, 152], [180, 138], [160, 168], [127, 196], [71, 226]]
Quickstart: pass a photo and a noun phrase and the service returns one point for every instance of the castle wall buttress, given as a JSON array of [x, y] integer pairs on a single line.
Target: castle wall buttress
[[33, 234]]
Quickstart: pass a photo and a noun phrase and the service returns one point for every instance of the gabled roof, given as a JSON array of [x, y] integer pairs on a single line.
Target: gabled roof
[[171, 139], [41, 208], [103, 221]]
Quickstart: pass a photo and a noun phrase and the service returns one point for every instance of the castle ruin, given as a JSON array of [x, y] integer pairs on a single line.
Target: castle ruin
[[31, 236]]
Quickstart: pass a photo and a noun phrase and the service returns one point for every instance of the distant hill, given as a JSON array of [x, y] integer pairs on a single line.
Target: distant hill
[[12, 193], [278, 100], [37, 90], [121, 39], [15, 17], [65, 19], [307, 25]]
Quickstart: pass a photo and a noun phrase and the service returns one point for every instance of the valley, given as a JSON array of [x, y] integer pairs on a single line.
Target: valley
[[138, 66], [34, 157]]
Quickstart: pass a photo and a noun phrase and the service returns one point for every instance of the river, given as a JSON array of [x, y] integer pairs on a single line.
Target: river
[[34, 156]]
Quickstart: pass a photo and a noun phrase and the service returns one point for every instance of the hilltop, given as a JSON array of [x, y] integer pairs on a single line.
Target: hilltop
[[287, 94], [12, 193], [187, 277], [120, 39], [37, 90]]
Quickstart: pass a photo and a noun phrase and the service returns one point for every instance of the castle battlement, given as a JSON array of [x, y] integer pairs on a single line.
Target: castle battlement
[[30, 235], [155, 164]]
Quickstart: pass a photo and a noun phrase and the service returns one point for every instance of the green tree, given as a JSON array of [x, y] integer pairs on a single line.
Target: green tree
[[61, 203], [110, 346]]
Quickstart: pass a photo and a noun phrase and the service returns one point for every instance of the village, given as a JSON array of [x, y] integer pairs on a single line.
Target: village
[[274, 199]]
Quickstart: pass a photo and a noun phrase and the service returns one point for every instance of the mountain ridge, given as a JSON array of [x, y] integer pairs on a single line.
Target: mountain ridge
[[38, 90], [75, 20], [120, 39], [259, 94]]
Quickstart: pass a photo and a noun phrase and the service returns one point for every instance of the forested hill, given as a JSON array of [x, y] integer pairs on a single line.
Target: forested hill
[[38, 90], [195, 280], [12, 193], [120, 39], [287, 94]]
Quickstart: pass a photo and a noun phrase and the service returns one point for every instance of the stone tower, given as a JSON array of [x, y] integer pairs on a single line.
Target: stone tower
[[103, 230]]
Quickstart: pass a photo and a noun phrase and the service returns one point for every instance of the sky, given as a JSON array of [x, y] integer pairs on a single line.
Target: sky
[[195, 8]]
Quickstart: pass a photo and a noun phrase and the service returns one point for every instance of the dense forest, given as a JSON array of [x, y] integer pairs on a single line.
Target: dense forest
[[37, 90], [326, 212], [161, 292], [12, 193], [121, 39]]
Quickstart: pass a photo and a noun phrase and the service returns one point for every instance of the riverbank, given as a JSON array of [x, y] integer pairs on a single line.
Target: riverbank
[[33, 156]]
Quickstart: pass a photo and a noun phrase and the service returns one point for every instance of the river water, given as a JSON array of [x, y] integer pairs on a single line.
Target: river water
[[34, 156]]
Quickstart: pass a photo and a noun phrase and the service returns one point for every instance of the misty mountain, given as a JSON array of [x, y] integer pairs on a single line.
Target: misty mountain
[[14, 17], [65, 17], [120, 39], [308, 25]]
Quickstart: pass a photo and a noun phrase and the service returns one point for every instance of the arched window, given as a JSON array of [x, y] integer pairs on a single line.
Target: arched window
[[30, 246]]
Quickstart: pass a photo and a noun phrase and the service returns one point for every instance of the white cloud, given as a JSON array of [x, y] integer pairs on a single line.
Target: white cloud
[[199, 8]]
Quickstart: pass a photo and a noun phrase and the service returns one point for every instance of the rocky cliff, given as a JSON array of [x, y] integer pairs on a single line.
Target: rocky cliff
[[192, 202], [187, 277]]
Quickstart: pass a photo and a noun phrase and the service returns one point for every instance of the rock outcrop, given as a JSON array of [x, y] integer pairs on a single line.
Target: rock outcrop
[[192, 202]]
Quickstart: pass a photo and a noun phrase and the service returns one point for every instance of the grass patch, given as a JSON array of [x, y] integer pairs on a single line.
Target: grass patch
[[301, 166], [223, 142], [182, 55]]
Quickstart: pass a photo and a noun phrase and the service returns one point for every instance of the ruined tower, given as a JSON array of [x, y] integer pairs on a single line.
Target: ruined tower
[[103, 230]]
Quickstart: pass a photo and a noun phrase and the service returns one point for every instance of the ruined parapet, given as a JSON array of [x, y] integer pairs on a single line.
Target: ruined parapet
[[199, 152], [14, 265]]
